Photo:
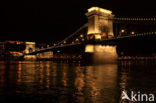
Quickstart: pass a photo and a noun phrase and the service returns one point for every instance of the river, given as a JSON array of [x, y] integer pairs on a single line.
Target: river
[[51, 82]]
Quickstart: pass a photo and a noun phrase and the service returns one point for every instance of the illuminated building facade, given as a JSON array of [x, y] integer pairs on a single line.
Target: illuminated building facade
[[11, 48], [14, 49]]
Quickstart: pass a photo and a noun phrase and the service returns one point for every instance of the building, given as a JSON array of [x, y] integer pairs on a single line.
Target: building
[[14, 49]]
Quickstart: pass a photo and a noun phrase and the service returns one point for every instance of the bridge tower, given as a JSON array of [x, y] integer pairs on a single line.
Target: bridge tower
[[100, 24], [29, 47]]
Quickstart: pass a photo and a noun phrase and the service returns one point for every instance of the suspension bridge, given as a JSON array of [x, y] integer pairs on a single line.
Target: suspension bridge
[[103, 28]]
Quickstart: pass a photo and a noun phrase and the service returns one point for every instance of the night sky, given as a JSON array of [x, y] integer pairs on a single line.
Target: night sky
[[53, 20]]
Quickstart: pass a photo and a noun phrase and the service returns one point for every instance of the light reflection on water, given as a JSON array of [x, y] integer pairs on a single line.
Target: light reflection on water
[[46, 81]]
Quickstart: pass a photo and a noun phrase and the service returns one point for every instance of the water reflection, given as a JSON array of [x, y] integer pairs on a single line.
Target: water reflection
[[46, 81], [137, 76]]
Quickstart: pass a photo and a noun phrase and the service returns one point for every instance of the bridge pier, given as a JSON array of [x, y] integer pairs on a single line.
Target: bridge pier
[[30, 57], [45, 55], [101, 54]]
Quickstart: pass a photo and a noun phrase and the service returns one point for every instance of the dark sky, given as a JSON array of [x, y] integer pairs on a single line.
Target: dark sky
[[52, 20]]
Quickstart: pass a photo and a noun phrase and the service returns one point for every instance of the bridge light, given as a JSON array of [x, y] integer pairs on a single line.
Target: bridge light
[[98, 37], [132, 32], [122, 30], [76, 39], [64, 42], [81, 36]]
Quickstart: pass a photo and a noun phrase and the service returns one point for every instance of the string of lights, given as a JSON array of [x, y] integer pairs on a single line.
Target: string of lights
[[132, 35], [135, 19]]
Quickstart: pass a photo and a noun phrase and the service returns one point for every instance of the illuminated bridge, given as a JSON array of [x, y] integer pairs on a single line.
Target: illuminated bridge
[[104, 29]]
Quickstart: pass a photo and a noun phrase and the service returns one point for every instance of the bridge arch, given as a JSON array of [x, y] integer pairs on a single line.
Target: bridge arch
[[30, 47]]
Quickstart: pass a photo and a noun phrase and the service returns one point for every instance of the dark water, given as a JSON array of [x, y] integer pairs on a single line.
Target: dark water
[[49, 82]]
